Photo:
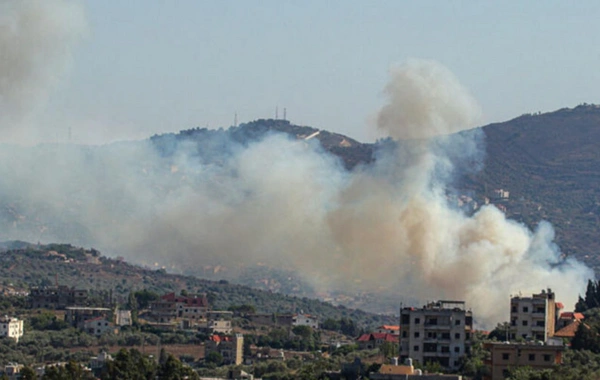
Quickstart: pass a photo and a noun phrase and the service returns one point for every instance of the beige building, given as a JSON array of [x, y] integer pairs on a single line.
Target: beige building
[[506, 356], [171, 308], [533, 317], [230, 347], [11, 327], [439, 332], [99, 326], [219, 322]]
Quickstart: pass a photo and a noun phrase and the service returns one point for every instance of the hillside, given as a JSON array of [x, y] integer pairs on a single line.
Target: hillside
[[35, 265], [550, 164]]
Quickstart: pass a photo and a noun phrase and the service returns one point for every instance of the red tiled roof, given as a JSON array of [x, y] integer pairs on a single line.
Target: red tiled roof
[[572, 315], [378, 336], [568, 331], [219, 338], [560, 305]]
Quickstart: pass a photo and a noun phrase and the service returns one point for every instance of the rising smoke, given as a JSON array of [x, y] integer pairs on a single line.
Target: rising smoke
[[36, 39], [387, 227]]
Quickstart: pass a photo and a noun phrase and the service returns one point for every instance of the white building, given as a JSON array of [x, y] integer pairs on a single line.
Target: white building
[[11, 327], [440, 332], [534, 317], [99, 326], [305, 320]]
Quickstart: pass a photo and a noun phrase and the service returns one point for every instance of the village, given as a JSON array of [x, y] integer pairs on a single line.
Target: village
[[433, 341]]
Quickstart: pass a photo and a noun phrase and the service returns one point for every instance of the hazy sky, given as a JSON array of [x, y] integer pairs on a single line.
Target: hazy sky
[[146, 67]]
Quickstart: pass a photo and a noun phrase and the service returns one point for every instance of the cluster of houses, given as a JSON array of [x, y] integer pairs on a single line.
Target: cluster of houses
[[441, 332]]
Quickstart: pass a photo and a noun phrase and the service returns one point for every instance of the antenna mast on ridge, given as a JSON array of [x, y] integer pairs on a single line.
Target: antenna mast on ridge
[[285, 114]]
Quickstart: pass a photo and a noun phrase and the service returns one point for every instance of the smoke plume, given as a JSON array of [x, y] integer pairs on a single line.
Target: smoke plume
[[36, 38], [386, 228]]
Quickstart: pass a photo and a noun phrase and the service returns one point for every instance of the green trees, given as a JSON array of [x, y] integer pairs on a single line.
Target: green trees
[[133, 365], [70, 371], [592, 297]]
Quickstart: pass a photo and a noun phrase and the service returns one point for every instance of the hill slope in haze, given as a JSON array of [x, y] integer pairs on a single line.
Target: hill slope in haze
[[550, 164], [40, 265]]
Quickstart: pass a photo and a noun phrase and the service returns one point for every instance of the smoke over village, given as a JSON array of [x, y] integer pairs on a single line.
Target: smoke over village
[[384, 227]]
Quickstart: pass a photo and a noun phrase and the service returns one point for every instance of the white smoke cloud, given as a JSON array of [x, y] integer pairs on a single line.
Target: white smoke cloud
[[385, 228], [426, 100], [36, 39]]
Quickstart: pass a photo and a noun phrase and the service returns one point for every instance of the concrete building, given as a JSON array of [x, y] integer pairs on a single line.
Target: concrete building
[[99, 326], [219, 322], [56, 297], [439, 332], [506, 356], [230, 347], [11, 327], [285, 320], [123, 318], [375, 340], [171, 308], [533, 317], [77, 316]]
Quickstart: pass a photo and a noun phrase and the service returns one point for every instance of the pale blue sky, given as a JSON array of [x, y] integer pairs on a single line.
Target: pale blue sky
[[155, 66]]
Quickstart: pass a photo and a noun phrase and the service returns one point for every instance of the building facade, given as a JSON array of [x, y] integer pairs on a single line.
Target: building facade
[[439, 332], [533, 318], [171, 308], [230, 347], [11, 327], [506, 356], [77, 316], [56, 297]]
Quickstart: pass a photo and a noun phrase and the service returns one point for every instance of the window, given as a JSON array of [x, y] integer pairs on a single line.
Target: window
[[513, 308], [404, 334], [540, 323], [456, 349], [445, 349], [416, 348], [446, 336], [505, 356], [457, 322], [432, 335], [531, 357], [417, 321], [457, 336], [525, 309], [524, 323], [417, 334], [546, 358]]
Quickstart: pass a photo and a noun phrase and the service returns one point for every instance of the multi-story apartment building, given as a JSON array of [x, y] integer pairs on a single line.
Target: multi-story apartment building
[[506, 356], [170, 308], [56, 297], [439, 332], [11, 327], [533, 317]]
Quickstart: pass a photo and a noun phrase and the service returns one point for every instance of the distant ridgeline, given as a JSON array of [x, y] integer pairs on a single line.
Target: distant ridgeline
[[211, 145], [549, 163]]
